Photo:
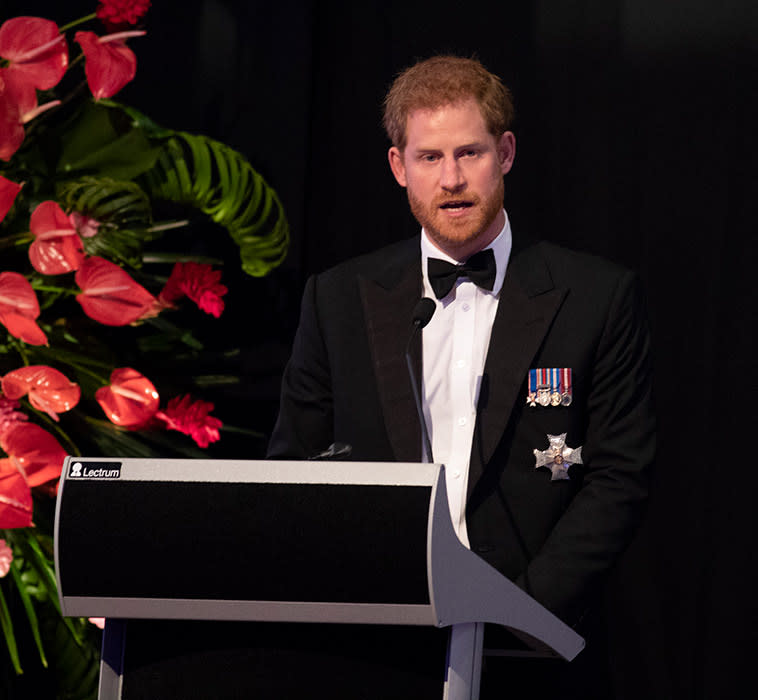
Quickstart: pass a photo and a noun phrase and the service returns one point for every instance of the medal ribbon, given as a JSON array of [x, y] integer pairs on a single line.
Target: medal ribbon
[[566, 380]]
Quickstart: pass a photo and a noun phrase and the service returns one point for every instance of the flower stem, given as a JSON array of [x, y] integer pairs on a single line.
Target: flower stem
[[45, 288], [78, 59], [168, 226], [62, 434], [76, 22], [15, 239]]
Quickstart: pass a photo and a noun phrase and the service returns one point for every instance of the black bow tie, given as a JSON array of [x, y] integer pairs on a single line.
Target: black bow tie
[[480, 268]]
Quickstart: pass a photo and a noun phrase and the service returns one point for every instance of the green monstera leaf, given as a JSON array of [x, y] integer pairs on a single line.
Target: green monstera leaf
[[122, 211], [113, 144], [217, 180]]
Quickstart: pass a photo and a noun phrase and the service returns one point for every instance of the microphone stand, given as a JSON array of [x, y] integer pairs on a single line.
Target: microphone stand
[[422, 314]]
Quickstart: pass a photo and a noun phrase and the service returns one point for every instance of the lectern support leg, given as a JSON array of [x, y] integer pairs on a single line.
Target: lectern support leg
[[464, 662], [112, 659]]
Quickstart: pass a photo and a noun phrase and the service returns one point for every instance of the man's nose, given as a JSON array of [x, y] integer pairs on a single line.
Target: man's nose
[[452, 178]]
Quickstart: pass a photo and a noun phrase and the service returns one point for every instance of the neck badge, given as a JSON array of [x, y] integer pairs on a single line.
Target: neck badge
[[558, 457]]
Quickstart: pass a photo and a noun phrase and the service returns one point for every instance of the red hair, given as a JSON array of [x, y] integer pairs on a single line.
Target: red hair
[[444, 80]]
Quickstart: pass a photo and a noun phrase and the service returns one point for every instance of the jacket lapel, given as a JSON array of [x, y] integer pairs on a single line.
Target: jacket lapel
[[528, 303], [388, 301]]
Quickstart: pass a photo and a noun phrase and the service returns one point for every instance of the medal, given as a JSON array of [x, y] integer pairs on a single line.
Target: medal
[[531, 395], [555, 386], [566, 392], [543, 387], [558, 457], [549, 386]]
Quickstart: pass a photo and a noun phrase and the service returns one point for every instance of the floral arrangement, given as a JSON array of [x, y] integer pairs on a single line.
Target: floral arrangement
[[87, 293]]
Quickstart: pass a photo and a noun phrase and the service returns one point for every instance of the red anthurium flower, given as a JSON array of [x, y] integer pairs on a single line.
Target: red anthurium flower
[[49, 390], [109, 63], [109, 295], [18, 93], [35, 451], [37, 54], [56, 248], [8, 192], [19, 308], [130, 400], [37, 58], [11, 126], [18, 105], [197, 281], [10, 416], [116, 12], [191, 418], [15, 506], [35, 50]]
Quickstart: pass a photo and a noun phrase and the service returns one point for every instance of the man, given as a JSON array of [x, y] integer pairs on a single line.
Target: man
[[536, 385]]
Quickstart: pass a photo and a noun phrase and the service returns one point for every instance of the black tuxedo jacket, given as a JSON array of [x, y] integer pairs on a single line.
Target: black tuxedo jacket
[[347, 381]]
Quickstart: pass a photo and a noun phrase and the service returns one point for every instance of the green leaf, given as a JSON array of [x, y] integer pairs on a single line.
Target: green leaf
[[29, 608], [123, 210], [104, 141], [123, 158], [36, 559], [170, 258], [111, 439], [220, 182], [169, 334], [89, 130], [76, 665], [139, 120], [10, 638]]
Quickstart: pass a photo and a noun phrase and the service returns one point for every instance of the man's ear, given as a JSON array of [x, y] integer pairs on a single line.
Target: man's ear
[[397, 164], [506, 151]]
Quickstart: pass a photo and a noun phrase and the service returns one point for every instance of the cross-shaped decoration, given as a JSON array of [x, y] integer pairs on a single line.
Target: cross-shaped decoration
[[559, 457]]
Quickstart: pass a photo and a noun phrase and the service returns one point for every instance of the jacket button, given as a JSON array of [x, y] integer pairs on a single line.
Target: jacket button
[[484, 548]]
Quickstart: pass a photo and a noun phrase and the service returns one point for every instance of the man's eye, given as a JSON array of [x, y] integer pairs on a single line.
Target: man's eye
[[470, 153], [429, 157]]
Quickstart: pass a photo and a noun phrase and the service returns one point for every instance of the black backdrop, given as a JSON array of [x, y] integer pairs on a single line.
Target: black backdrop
[[636, 140]]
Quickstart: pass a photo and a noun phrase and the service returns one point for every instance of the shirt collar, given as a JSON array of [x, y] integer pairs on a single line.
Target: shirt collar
[[501, 247]]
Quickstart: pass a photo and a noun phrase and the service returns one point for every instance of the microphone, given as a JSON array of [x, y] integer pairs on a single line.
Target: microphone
[[422, 314], [337, 450]]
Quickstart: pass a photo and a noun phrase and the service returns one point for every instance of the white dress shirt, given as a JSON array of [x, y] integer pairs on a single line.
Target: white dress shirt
[[455, 346]]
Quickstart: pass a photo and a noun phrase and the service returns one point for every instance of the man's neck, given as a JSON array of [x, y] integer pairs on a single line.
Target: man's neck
[[474, 245]]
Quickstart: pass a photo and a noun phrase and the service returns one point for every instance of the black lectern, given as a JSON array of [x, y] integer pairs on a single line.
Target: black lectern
[[286, 554]]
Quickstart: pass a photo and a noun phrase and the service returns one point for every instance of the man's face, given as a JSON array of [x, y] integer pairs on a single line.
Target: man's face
[[453, 170]]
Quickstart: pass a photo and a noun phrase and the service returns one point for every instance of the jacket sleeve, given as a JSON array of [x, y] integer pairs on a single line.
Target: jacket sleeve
[[618, 452], [305, 423]]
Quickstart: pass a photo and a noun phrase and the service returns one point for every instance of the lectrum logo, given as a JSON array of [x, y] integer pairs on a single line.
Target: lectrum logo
[[95, 470]]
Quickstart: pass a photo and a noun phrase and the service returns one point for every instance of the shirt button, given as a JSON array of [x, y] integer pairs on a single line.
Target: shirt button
[[460, 363], [465, 307], [456, 474], [462, 421]]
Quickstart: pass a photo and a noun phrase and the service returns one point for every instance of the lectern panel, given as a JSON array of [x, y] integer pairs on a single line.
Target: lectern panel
[[245, 541]]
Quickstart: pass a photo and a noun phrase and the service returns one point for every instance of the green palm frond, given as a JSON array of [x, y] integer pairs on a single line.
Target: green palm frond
[[119, 202], [122, 209], [220, 182]]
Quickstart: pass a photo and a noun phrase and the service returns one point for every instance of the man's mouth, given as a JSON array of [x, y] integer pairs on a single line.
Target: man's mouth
[[457, 205]]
